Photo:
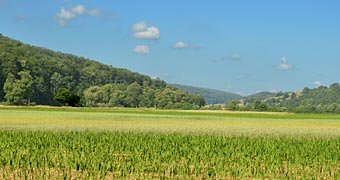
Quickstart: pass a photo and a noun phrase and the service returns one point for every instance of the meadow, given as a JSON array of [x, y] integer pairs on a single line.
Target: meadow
[[82, 143]]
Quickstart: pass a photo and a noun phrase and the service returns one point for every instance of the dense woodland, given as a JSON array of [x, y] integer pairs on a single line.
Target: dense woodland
[[317, 100], [32, 75]]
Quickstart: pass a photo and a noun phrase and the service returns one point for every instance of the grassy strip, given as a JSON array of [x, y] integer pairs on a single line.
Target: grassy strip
[[152, 111], [160, 121]]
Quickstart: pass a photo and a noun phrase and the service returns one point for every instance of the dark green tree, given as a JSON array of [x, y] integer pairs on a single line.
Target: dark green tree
[[67, 98]]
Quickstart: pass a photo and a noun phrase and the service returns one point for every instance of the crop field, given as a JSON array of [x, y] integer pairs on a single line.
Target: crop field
[[77, 143]]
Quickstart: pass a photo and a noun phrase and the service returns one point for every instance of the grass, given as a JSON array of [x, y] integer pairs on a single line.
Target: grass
[[167, 121], [83, 143]]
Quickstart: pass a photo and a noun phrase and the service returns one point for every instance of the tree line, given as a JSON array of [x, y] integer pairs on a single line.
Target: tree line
[[317, 100], [34, 75]]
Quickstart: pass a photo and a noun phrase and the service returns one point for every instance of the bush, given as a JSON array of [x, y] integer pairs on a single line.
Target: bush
[[67, 98]]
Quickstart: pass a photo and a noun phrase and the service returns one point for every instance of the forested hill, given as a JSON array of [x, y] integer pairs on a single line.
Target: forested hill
[[211, 96], [261, 95], [317, 100], [30, 74]]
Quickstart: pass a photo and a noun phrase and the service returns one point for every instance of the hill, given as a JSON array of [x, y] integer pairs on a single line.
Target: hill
[[257, 96], [33, 75], [211, 96], [260, 95], [317, 100]]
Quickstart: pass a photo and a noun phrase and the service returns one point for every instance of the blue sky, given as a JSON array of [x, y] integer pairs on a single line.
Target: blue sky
[[240, 46]]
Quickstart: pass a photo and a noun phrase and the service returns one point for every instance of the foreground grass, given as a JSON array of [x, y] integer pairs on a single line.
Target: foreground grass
[[58, 143]]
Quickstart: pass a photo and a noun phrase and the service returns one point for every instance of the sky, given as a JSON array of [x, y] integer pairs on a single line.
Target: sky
[[239, 46]]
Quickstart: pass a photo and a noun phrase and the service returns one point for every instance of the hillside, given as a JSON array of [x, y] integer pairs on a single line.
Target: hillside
[[317, 100], [260, 95], [257, 96], [30, 74], [211, 96]]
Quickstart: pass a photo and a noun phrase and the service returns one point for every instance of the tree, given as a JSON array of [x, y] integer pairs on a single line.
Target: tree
[[165, 99], [147, 99], [8, 88], [91, 96], [258, 105], [19, 91], [26, 84], [233, 105], [199, 99], [133, 94], [67, 98]]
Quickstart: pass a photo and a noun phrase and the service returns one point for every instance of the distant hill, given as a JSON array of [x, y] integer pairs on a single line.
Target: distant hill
[[260, 96], [30, 74], [317, 100], [211, 96]]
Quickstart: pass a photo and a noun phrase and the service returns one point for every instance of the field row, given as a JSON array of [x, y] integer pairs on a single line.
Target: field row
[[187, 122]]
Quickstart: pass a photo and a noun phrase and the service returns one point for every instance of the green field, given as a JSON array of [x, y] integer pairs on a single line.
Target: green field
[[58, 143]]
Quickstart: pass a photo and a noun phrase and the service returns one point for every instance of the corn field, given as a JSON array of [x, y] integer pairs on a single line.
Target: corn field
[[80, 143], [127, 155]]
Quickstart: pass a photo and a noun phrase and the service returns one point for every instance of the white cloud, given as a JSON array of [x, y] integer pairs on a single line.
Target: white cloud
[[141, 26], [142, 49], [93, 12], [150, 33], [155, 78], [142, 31], [317, 83], [273, 90], [78, 9], [66, 15], [180, 45], [284, 65], [235, 56]]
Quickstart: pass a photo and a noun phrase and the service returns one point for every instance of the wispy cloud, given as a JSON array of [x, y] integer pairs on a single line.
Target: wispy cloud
[[234, 56], [65, 15], [180, 45], [317, 83], [141, 49], [284, 65], [185, 45], [19, 18], [273, 90], [142, 31]]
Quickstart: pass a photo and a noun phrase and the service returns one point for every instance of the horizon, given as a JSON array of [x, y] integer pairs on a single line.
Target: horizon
[[241, 47]]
